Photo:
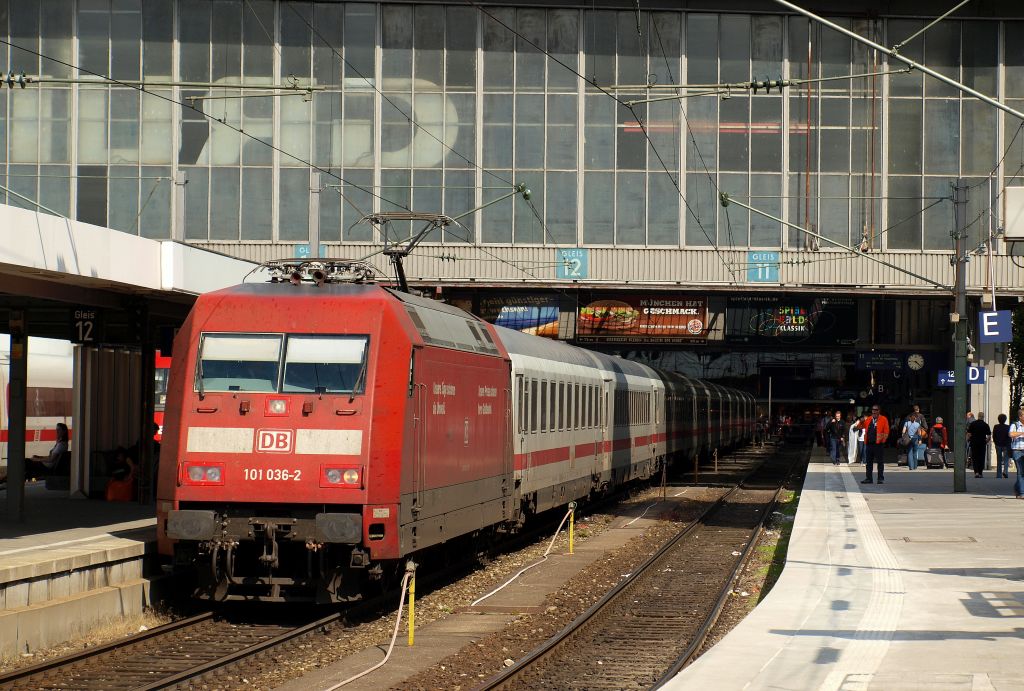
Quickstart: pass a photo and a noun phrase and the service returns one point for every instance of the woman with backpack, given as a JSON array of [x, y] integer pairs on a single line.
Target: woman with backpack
[[910, 439], [938, 441]]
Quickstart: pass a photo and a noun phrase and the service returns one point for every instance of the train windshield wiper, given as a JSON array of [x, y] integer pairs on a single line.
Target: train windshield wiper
[[359, 379]]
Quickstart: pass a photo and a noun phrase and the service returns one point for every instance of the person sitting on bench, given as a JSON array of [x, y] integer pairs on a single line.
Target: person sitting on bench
[[41, 466]]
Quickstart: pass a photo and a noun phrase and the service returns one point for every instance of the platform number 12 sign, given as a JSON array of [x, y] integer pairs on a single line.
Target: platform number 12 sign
[[84, 325], [573, 264]]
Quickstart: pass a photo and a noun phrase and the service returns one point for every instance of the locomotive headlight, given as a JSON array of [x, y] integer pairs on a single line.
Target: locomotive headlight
[[203, 474], [277, 406], [346, 477]]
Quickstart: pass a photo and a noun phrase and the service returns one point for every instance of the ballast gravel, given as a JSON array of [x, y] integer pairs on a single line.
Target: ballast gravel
[[493, 652]]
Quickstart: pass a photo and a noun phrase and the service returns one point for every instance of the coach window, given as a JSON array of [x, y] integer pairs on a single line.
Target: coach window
[[239, 362], [533, 405], [325, 364], [551, 408], [543, 427], [520, 404], [561, 405], [576, 405]]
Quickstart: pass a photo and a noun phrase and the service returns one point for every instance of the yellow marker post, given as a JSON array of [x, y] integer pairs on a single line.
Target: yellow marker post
[[412, 604], [572, 524]]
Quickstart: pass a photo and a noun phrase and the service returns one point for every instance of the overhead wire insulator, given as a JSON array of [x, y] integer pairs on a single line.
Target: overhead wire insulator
[[11, 79]]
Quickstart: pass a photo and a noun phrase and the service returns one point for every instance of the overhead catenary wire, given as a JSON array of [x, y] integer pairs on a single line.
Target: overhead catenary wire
[[222, 121], [391, 102], [412, 121], [624, 104]]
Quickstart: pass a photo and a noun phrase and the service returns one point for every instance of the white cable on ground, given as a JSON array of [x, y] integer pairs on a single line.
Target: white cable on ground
[[542, 559], [394, 637], [643, 514]]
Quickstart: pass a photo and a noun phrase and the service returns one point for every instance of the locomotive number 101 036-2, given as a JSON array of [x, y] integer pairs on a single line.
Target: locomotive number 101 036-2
[[273, 474]]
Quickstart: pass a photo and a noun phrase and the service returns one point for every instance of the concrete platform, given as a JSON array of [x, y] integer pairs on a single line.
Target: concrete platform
[[897, 586], [447, 636], [71, 564]]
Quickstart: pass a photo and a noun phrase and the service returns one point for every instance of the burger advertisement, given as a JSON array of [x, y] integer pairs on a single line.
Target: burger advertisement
[[643, 318]]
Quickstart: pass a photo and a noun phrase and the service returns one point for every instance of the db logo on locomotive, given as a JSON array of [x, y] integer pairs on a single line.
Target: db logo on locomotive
[[274, 440]]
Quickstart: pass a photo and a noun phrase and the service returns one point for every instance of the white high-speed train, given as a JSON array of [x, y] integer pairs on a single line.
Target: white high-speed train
[[49, 393]]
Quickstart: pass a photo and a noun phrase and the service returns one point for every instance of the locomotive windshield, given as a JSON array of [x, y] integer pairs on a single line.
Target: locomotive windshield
[[252, 362], [326, 364], [239, 362]]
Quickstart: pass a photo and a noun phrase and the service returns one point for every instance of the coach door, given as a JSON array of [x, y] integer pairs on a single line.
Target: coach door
[[515, 425], [419, 445], [605, 412]]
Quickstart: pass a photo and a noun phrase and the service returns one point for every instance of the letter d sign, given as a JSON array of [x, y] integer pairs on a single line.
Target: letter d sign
[[274, 440], [995, 327]]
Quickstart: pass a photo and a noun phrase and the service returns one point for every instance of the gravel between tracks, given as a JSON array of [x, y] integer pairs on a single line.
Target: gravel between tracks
[[487, 655]]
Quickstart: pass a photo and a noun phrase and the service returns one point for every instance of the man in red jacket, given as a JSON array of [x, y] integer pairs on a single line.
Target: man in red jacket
[[875, 434]]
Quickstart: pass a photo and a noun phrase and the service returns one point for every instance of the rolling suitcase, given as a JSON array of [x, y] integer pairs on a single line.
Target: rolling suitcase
[[934, 458]]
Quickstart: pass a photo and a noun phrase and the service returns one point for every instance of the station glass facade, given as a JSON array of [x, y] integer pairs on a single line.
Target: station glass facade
[[442, 107]]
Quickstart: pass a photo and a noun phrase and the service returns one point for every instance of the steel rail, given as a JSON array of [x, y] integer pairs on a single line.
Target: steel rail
[[240, 655], [709, 624], [499, 680], [503, 678], [58, 662]]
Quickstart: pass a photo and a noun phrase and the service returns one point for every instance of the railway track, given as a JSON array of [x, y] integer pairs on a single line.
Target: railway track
[[654, 621], [203, 646], [163, 657]]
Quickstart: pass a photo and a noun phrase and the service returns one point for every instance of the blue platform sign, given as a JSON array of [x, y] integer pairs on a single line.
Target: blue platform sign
[[995, 327], [573, 263], [975, 375], [763, 267], [304, 251]]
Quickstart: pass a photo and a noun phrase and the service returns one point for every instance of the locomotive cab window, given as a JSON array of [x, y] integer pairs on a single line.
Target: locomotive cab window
[[239, 362], [325, 364]]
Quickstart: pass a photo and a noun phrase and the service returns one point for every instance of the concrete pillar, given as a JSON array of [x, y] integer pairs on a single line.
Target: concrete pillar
[[81, 415], [17, 397], [147, 367]]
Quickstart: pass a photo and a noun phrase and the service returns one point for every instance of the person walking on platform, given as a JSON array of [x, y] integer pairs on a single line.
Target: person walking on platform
[[921, 418], [1001, 439], [875, 434], [852, 424], [1017, 449], [862, 428], [979, 434], [938, 440], [910, 438], [835, 432]]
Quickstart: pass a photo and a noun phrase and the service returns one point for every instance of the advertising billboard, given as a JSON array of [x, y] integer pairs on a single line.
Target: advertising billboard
[[773, 319], [532, 314], [646, 319]]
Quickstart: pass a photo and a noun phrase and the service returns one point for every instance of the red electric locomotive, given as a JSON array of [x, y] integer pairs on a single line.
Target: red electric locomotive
[[318, 432]]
